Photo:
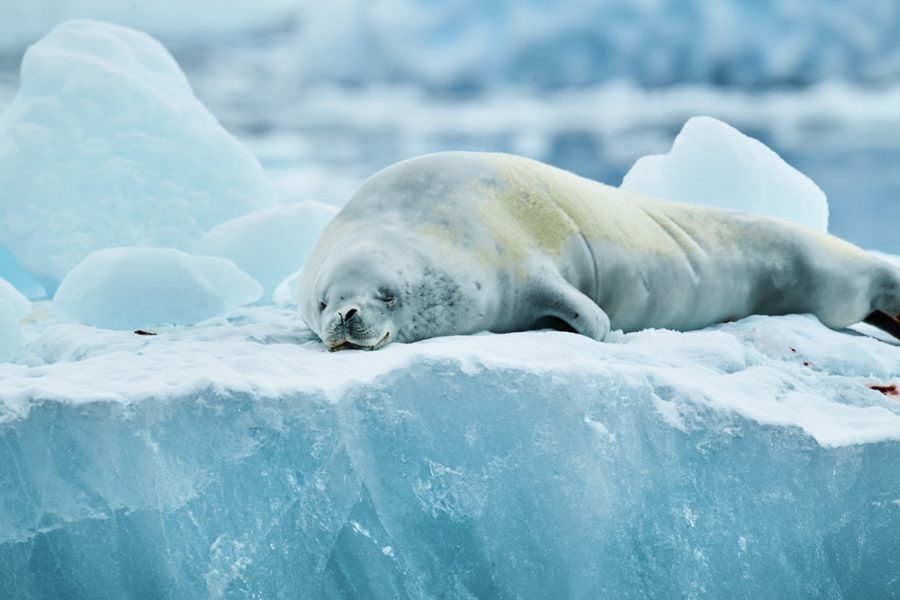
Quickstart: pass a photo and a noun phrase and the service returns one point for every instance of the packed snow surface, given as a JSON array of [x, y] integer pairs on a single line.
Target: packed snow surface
[[106, 145], [129, 288], [238, 457], [714, 164], [271, 243]]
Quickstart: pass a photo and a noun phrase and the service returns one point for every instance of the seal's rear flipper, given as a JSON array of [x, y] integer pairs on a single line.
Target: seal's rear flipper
[[884, 322]]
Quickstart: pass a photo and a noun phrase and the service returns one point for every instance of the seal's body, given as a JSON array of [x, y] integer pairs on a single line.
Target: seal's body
[[459, 242]]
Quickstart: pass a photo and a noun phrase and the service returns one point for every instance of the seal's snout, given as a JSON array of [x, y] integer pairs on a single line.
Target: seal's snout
[[348, 314]]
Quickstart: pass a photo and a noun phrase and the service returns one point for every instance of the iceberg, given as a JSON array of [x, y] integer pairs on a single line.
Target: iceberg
[[714, 164], [239, 458], [106, 145], [130, 288], [271, 243]]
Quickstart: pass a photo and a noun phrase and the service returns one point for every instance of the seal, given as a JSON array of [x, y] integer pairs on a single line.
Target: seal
[[460, 242]]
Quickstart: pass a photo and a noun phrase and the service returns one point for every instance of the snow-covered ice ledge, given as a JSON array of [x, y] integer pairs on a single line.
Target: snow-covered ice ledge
[[237, 458]]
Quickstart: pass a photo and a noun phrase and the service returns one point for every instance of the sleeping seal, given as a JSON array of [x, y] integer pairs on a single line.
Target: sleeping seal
[[459, 242]]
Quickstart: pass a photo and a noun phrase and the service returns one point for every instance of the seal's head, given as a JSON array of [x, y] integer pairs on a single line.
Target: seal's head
[[365, 293], [354, 304]]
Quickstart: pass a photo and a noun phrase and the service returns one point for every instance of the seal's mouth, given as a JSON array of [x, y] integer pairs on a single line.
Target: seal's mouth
[[348, 345]]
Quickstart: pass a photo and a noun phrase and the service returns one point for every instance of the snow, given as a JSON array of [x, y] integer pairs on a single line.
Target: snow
[[271, 243], [106, 145], [255, 461], [131, 288], [15, 300], [714, 164]]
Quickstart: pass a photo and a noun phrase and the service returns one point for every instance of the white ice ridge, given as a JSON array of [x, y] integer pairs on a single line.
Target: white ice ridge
[[785, 371], [106, 145], [132, 288], [714, 164], [271, 243]]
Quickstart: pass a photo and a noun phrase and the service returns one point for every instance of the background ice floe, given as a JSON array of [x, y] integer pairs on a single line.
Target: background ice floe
[[475, 43]]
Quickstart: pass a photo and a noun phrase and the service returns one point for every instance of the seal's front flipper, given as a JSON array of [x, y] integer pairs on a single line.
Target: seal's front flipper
[[884, 322], [561, 300]]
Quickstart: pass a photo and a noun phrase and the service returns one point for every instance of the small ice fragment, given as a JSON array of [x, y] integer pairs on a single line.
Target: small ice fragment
[[714, 164], [132, 288], [271, 243]]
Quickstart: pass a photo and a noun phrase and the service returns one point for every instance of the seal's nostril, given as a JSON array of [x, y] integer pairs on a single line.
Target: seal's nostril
[[349, 314]]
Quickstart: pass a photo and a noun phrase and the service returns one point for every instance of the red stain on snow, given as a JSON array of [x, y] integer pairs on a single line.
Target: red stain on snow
[[887, 390]]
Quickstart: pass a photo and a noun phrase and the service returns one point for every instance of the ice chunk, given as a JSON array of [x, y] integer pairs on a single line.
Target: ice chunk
[[752, 459], [271, 243], [12, 342], [16, 301], [106, 145], [22, 281], [130, 288], [714, 164]]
